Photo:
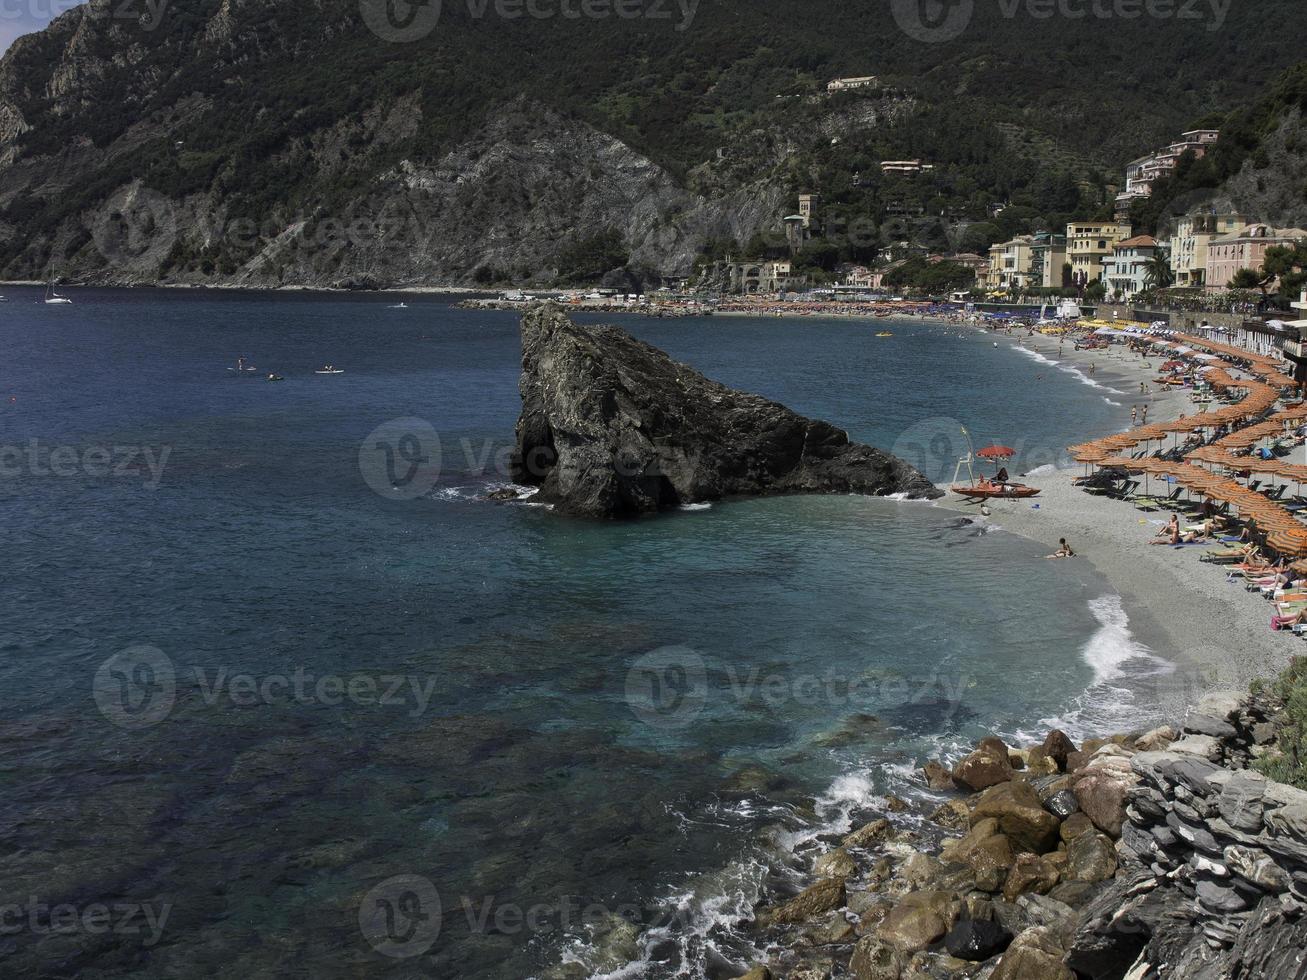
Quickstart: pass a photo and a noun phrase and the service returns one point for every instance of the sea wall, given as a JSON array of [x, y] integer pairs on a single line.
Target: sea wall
[[1147, 854]]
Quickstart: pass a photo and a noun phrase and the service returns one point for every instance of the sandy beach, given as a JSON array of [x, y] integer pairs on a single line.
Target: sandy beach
[[1184, 610]]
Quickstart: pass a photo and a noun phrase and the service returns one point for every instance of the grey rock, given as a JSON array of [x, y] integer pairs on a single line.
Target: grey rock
[[1202, 746], [1220, 898], [1208, 725], [1240, 802], [1062, 804], [1263, 733], [1255, 867], [613, 427], [1223, 705], [976, 940], [1196, 835]]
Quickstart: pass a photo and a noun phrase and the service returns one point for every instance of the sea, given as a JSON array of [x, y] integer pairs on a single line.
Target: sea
[[286, 694]]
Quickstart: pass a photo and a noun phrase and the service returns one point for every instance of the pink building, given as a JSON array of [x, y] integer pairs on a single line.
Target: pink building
[[1244, 249]]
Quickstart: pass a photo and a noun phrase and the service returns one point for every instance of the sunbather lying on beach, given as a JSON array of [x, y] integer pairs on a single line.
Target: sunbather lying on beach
[[1064, 550]]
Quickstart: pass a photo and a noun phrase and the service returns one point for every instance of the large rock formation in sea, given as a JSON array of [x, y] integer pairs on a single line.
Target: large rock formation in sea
[[613, 427]]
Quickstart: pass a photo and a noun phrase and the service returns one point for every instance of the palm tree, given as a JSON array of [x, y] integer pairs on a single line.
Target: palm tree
[[1157, 271]]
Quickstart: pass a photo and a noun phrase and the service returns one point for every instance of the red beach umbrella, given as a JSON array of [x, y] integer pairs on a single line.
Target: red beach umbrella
[[997, 452]]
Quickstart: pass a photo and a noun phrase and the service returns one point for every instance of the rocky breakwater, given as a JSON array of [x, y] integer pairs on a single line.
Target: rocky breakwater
[[1154, 854], [613, 427]]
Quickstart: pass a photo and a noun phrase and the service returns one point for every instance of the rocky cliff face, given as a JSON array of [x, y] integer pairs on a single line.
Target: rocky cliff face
[[612, 427]]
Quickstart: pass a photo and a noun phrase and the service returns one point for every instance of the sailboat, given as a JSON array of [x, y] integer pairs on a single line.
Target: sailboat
[[54, 299]]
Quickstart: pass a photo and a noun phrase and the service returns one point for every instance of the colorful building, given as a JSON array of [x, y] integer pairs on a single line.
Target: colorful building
[[1142, 174], [1244, 249], [1193, 234], [1125, 273], [1010, 264], [1088, 243], [1047, 260]]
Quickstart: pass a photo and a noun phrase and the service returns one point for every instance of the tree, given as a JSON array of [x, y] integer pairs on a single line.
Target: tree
[[1157, 271], [1246, 279], [1096, 291]]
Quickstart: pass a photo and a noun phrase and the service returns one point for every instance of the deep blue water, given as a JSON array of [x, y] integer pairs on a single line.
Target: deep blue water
[[246, 687]]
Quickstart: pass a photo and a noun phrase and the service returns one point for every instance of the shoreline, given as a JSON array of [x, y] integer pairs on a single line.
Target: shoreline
[[1182, 610]]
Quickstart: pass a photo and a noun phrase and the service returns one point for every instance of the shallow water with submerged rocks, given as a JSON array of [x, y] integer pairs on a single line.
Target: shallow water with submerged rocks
[[600, 745]]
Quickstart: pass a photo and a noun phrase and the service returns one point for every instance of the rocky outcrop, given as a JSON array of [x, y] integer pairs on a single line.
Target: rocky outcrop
[[1159, 854], [612, 427]]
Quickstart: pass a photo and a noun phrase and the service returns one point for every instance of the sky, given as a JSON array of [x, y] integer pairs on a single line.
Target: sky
[[18, 17]]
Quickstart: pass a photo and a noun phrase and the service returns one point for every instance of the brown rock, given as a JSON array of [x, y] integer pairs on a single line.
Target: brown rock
[[1057, 746], [1040, 763], [1016, 758], [909, 929], [954, 814], [1076, 760], [944, 904], [938, 776], [836, 864], [875, 959], [1157, 739], [825, 896], [1030, 873], [983, 768], [1020, 815], [1033, 955], [896, 804], [1092, 745], [1101, 794], [1090, 857], [865, 836], [758, 973], [1075, 825]]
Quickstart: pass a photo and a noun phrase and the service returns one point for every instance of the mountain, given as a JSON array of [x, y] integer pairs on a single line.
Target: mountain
[[316, 142]]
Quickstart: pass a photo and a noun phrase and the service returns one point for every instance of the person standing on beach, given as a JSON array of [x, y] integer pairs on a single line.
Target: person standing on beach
[[1134, 414], [1145, 418]]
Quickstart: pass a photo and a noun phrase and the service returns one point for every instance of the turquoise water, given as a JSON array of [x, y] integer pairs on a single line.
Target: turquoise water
[[272, 665]]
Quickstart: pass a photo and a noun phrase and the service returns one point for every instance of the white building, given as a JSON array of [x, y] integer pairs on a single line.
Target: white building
[[1125, 271], [849, 84]]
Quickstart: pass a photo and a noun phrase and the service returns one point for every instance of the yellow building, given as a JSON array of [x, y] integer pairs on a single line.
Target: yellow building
[[1189, 245], [1011, 263], [1088, 243]]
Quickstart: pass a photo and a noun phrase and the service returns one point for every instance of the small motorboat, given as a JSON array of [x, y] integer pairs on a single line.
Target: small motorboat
[[329, 369], [399, 306], [884, 333], [999, 488], [275, 377]]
